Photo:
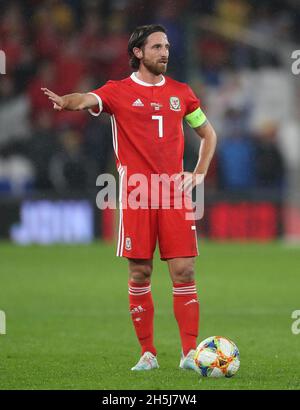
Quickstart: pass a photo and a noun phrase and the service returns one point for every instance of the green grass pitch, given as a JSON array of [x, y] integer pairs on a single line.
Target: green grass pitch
[[68, 325]]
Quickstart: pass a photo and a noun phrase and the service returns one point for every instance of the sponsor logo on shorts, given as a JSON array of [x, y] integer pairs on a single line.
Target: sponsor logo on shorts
[[128, 246]]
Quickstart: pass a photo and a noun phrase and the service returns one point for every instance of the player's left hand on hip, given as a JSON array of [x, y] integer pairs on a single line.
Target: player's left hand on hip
[[189, 180]]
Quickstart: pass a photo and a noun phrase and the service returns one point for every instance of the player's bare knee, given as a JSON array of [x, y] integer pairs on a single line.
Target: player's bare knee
[[140, 276], [184, 275], [140, 272]]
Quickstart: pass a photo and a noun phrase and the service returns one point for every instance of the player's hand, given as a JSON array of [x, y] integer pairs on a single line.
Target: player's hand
[[58, 102], [188, 180]]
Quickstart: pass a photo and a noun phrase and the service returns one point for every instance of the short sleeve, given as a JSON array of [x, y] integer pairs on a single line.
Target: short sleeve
[[194, 116], [192, 102], [105, 97]]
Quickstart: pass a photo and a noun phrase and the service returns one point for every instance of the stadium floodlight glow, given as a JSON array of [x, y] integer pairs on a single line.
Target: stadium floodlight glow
[[2, 62]]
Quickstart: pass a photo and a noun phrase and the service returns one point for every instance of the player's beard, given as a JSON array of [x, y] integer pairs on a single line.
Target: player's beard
[[155, 68]]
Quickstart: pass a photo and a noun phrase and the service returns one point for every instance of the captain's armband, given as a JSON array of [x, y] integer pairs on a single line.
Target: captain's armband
[[196, 118]]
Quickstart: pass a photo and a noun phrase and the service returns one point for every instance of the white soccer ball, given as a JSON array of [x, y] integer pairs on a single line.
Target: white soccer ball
[[217, 356]]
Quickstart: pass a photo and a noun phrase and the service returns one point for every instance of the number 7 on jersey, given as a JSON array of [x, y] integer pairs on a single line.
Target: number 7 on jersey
[[159, 118]]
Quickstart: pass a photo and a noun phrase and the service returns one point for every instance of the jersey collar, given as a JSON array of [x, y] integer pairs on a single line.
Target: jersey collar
[[138, 81]]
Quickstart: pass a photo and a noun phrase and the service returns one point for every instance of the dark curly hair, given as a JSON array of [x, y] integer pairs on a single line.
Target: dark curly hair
[[138, 39]]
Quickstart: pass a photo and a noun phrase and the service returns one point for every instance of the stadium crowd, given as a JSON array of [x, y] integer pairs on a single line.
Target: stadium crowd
[[77, 45]]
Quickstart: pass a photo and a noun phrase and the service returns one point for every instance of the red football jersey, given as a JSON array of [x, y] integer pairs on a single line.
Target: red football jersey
[[147, 123]]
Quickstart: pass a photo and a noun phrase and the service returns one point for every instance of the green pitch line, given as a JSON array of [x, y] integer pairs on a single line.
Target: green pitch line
[[68, 325]]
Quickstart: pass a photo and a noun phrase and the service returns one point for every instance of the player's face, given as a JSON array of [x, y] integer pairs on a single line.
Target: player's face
[[156, 53]]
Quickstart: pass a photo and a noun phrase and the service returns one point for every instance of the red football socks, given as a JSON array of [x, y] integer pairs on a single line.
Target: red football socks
[[186, 310], [142, 313]]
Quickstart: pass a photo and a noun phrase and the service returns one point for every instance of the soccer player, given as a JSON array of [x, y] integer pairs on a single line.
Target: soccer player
[[147, 110]]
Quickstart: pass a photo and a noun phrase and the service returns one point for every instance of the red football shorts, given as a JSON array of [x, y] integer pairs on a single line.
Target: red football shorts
[[139, 230]]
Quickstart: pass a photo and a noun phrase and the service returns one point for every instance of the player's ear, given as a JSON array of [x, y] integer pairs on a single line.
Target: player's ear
[[138, 52]]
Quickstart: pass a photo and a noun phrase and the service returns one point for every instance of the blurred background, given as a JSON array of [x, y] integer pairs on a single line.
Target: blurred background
[[236, 55]]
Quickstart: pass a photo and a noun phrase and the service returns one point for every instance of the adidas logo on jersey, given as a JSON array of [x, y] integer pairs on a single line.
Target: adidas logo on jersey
[[138, 103]]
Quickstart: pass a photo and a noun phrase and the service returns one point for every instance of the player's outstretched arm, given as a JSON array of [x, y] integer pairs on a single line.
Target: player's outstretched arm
[[72, 102]]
